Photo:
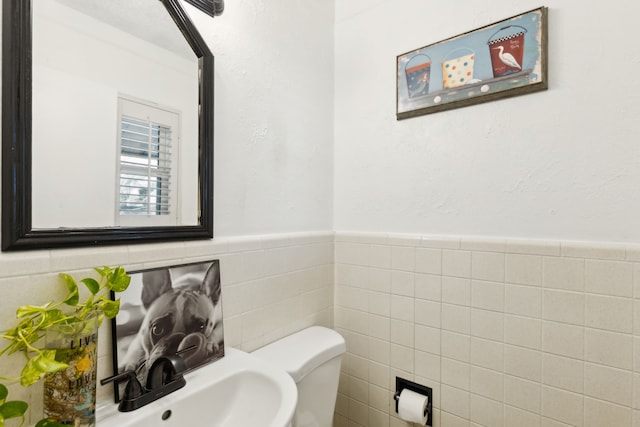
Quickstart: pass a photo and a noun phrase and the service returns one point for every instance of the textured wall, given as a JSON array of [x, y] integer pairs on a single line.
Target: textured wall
[[273, 174], [560, 164], [274, 115]]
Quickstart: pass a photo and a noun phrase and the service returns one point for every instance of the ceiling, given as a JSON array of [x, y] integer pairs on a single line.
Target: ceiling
[[145, 19]]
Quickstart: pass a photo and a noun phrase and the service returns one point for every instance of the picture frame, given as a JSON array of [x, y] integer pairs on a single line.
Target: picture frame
[[504, 59], [168, 310]]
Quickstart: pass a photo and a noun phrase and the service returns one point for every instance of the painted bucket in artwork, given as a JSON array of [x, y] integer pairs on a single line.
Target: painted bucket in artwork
[[457, 67], [506, 47], [418, 74]]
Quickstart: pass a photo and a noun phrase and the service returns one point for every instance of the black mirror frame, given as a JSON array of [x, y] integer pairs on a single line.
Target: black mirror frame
[[17, 231], [210, 7]]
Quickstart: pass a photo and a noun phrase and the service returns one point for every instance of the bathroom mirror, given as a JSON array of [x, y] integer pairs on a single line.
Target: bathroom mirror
[[107, 123], [210, 7]]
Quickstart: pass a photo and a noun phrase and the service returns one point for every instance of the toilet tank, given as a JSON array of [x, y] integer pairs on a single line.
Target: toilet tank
[[312, 358]]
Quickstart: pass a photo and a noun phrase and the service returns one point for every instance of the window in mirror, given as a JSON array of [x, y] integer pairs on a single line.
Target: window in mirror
[[148, 166]]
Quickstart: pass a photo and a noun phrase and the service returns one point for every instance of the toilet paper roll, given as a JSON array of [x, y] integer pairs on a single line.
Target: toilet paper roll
[[412, 406]]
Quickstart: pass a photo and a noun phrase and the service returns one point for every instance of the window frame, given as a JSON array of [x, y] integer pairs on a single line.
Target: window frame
[[135, 107]]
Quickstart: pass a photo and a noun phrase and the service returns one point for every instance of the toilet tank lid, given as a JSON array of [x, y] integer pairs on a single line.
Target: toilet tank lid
[[303, 351]]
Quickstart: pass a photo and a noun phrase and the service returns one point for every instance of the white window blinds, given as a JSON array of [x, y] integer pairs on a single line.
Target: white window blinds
[[147, 165]]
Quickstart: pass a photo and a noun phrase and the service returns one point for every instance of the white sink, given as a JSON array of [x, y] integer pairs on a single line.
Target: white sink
[[236, 391]]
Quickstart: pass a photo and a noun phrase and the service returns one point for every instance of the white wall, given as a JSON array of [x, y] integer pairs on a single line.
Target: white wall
[[562, 163], [513, 329], [558, 164], [273, 177], [274, 115]]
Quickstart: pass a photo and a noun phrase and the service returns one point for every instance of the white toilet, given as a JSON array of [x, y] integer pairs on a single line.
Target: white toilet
[[312, 358]]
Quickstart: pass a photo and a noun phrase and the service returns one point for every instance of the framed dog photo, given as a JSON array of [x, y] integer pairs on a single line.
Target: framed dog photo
[[165, 311]]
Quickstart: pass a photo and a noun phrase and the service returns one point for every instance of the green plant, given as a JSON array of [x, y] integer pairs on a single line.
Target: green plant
[[10, 409], [34, 321]]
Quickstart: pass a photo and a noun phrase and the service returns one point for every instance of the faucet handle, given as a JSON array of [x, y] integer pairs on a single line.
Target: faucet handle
[[164, 370], [132, 390]]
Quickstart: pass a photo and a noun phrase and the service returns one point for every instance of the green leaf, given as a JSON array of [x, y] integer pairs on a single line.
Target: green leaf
[[92, 285], [52, 316], [104, 271], [23, 334], [4, 391], [118, 281], [29, 310], [40, 365], [110, 308], [13, 409], [10, 334], [74, 296]]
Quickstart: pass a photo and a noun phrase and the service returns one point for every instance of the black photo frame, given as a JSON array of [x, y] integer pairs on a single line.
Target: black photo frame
[[168, 310]]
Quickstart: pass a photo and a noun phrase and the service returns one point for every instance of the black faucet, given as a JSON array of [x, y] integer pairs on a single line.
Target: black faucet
[[164, 377], [166, 370]]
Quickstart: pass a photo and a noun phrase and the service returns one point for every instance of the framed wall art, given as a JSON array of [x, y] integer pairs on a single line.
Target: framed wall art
[[504, 59], [169, 310]]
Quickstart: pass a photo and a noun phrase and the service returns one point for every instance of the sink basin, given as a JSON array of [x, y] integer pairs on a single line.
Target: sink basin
[[236, 391]]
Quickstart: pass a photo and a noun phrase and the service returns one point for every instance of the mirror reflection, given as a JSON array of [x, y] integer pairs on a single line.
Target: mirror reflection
[[115, 116]]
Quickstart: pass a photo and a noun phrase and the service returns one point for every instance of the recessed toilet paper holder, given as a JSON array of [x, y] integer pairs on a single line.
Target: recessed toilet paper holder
[[402, 383]]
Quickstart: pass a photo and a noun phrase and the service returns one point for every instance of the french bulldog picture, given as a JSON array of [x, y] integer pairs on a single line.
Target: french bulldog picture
[[178, 311]]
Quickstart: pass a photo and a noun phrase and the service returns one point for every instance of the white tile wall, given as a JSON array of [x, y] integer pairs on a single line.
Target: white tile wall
[[508, 333], [272, 286]]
